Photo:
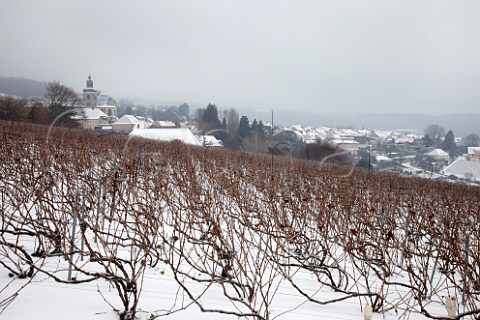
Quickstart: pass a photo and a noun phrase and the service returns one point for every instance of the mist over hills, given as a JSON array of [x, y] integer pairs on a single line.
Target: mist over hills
[[22, 87], [461, 124]]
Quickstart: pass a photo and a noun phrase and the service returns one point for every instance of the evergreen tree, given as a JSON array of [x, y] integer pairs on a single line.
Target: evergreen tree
[[184, 110], [244, 127], [262, 132], [448, 144], [254, 126], [210, 120], [211, 116]]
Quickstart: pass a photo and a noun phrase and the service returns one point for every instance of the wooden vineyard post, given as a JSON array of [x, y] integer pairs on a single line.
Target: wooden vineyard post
[[72, 240]]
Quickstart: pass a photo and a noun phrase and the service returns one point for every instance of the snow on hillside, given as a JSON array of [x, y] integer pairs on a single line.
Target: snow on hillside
[[168, 134], [93, 224], [463, 168]]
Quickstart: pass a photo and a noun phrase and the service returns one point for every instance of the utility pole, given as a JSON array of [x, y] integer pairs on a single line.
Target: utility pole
[[272, 122], [369, 157]]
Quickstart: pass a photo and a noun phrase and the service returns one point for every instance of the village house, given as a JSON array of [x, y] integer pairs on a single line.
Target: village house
[[439, 155], [129, 123], [92, 118], [346, 144], [473, 153]]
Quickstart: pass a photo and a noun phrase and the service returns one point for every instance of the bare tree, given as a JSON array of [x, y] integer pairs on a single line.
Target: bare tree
[[62, 102], [435, 132], [12, 109], [471, 140], [233, 120], [61, 96]]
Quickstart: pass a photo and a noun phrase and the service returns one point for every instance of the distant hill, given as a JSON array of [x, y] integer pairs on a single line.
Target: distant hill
[[22, 87]]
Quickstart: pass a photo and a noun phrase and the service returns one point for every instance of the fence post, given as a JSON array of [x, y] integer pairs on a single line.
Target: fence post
[[83, 223], [99, 198], [407, 236], [436, 259], [465, 274], [104, 203], [72, 240]]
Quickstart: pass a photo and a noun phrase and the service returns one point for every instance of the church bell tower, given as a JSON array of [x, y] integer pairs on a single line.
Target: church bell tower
[[90, 95]]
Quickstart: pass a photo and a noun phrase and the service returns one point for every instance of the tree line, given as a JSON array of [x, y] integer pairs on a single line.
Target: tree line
[[435, 136], [180, 113], [239, 132], [58, 106]]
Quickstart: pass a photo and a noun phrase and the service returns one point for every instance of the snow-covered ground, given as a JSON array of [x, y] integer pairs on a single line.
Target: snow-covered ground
[[45, 299], [89, 226], [168, 134]]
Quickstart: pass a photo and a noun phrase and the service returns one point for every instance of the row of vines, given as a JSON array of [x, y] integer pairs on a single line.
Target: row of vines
[[229, 223]]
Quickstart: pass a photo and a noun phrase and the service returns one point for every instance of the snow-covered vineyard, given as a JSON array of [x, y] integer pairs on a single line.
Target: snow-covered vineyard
[[138, 229]]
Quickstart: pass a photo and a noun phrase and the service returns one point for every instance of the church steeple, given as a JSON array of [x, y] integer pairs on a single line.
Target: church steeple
[[92, 98], [89, 82], [90, 95]]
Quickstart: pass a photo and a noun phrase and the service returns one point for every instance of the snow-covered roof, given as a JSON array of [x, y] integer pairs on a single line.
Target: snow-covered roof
[[382, 159], [407, 167], [430, 175], [404, 139], [94, 113], [347, 132], [463, 168], [144, 119], [127, 119], [381, 134], [437, 153], [297, 127], [164, 124], [9, 95], [344, 141], [408, 132], [209, 140], [106, 106], [168, 134], [91, 114]]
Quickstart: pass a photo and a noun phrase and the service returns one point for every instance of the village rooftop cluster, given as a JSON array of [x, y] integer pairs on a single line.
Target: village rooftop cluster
[[401, 151]]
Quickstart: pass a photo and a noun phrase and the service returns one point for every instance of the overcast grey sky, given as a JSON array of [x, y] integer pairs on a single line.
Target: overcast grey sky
[[323, 56]]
